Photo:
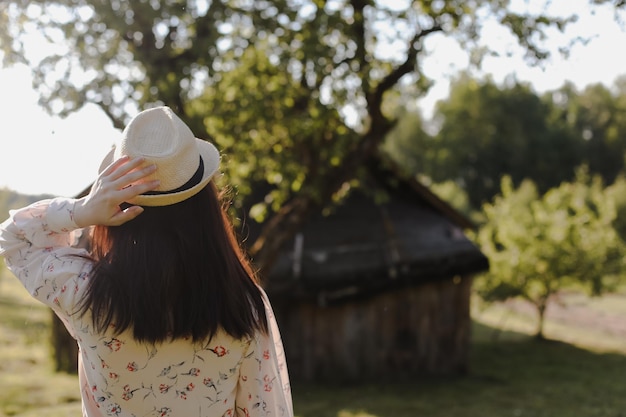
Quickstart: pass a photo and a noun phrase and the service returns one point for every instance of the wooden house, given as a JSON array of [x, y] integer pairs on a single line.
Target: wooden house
[[377, 289]]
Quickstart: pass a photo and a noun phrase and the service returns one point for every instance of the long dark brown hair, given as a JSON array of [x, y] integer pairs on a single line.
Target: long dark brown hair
[[173, 272]]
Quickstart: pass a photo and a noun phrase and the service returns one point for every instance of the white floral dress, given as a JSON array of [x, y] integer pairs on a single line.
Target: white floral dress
[[120, 377]]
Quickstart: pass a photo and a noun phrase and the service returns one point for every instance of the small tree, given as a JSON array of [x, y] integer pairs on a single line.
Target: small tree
[[538, 245]]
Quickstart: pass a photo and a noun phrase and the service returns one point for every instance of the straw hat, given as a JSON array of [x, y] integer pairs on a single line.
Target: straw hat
[[184, 163]]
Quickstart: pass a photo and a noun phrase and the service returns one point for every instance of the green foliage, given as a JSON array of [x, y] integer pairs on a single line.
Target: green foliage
[[293, 147], [538, 245]]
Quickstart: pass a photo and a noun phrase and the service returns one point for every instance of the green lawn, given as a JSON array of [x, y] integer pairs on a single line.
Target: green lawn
[[515, 376], [28, 385], [583, 374]]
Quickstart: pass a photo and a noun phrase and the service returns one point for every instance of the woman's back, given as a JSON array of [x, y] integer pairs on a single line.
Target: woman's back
[[122, 377], [166, 311]]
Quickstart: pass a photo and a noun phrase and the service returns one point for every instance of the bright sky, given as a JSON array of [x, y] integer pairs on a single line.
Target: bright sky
[[41, 154], [44, 154]]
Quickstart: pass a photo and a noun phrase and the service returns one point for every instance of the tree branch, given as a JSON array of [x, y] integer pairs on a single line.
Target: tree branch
[[117, 123], [359, 38], [375, 99]]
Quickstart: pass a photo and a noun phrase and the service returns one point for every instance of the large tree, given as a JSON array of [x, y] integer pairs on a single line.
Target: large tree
[[310, 64]]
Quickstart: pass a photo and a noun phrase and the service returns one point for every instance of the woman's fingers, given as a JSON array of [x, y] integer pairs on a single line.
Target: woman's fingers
[[134, 190], [113, 166], [121, 167], [121, 181], [127, 182], [124, 173], [132, 176]]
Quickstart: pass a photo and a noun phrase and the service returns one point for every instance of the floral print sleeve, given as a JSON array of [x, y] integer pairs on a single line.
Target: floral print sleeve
[[36, 244], [264, 388]]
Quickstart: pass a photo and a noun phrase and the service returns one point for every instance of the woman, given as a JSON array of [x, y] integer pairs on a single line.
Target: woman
[[167, 314]]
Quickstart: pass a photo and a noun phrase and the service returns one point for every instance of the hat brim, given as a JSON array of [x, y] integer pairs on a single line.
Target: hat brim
[[211, 159]]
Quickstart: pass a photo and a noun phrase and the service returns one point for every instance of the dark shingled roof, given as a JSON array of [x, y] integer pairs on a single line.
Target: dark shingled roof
[[366, 247]]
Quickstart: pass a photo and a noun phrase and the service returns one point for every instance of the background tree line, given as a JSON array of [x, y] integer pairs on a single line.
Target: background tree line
[[485, 131]]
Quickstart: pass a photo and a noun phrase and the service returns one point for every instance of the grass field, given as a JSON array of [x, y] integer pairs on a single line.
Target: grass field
[[580, 372]]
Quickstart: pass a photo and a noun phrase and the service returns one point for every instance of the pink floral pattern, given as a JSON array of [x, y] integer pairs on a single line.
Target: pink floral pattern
[[120, 377]]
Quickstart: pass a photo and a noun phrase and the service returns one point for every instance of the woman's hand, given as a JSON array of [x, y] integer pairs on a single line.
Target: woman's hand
[[115, 185]]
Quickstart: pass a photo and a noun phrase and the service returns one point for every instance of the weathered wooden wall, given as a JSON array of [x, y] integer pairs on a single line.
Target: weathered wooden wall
[[410, 331]]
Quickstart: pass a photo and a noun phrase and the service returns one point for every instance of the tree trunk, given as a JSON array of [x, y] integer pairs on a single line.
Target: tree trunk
[[64, 347], [541, 309]]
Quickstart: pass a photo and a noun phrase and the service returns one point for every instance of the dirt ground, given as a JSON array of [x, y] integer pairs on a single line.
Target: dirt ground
[[606, 313]]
